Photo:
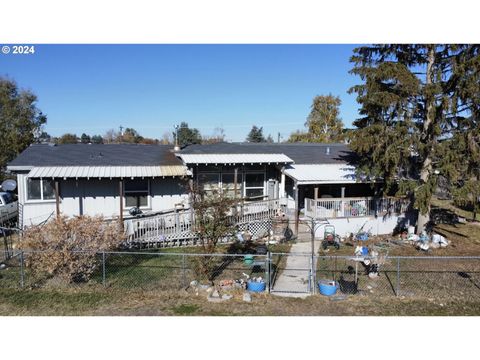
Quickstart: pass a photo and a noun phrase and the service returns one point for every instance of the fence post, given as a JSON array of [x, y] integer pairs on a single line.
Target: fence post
[[22, 272], [184, 278], [267, 270], [104, 279], [397, 290]]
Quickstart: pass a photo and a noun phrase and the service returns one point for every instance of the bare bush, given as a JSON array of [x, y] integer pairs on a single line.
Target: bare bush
[[67, 247]]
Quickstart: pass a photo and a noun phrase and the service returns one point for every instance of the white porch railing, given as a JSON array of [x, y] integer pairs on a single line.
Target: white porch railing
[[353, 207], [178, 227]]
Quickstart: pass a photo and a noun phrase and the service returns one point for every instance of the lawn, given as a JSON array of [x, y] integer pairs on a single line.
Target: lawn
[[128, 302]]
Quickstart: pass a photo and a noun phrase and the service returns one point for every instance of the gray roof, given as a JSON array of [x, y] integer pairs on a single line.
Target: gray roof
[[96, 155], [300, 153]]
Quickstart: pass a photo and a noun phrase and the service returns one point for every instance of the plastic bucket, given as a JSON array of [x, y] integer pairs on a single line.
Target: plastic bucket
[[255, 286], [248, 260], [327, 287]]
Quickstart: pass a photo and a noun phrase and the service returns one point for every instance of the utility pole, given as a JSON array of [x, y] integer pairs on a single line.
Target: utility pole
[[278, 137], [176, 147]]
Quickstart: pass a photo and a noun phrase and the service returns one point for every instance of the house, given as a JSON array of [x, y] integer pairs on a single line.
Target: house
[[309, 180], [97, 179], [315, 181]]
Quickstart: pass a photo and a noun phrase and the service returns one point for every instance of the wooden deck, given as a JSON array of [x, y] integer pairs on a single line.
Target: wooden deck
[[177, 228]]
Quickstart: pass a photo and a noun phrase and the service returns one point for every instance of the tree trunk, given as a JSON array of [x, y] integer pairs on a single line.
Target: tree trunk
[[427, 137]]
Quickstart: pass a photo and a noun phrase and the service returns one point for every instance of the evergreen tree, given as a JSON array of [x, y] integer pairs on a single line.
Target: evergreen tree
[[97, 139], [187, 136], [323, 123], [256, 135], [413, 98], [85, 139], [20, 121]]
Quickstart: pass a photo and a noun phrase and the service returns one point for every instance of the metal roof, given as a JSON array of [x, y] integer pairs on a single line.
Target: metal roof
[[321, 173], [107, 171], [237, 158], [300, 153]]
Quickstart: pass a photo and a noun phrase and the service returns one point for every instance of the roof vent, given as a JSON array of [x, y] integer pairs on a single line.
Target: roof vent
[[327, 150]]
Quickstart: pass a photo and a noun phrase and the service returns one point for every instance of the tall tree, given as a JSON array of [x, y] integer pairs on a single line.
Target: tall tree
[[68, 138], [97, 139], [217, 136], [85, 139], [412, 98], [256, 135], [187, 136], [131, 135], [323, 124], [112, 136], [20, 120]]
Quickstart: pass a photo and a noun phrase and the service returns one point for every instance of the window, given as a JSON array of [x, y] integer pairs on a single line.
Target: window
[[228, 184], [254, 185], [209, 182], [136, 193], [40, 189]]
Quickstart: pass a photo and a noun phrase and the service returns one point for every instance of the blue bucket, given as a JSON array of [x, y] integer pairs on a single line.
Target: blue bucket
[[326, 288], [255, 286]]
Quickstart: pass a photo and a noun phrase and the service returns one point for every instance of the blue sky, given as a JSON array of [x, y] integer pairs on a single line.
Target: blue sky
[[93, 88]]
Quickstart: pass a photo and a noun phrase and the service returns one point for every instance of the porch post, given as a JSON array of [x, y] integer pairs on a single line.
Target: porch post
[[57, 199], [282, 185], [342, 202], [235, 182], [297, 209], [315, 193], [120, 192]]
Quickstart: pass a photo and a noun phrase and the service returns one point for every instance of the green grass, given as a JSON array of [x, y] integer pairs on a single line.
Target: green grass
[[449, 205], [50, 302], [185, 309]]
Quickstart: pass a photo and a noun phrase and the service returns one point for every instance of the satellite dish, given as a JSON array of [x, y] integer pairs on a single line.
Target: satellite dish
[[9, 185]]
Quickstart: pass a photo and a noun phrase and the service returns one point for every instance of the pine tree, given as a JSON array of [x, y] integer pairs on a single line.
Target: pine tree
[[414, 98], [256, 135], [85, 139]]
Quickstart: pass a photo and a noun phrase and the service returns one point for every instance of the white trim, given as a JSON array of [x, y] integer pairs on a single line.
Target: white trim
[[149, 198], [41, 200]]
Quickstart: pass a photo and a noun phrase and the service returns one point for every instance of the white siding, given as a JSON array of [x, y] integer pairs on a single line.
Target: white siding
[[99, 197]]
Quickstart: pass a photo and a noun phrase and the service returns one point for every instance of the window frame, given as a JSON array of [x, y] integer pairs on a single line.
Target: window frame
[[125, 192], [41, 200], [245, 187]]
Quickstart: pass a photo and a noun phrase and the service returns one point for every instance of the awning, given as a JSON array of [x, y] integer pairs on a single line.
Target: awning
[[235, 158], [108, 171], [321, 173]]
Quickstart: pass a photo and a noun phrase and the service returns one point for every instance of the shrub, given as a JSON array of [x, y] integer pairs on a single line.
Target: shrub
[[67, 247]]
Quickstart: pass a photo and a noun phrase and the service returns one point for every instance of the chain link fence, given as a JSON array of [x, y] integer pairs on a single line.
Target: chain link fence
[[421, 276], [426, 277], [134, 270]]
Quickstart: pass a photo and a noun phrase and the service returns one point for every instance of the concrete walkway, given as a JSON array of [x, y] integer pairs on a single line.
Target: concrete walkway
[[293, 280]]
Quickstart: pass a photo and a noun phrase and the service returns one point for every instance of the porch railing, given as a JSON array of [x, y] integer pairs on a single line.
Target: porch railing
[[354, 207], [178, 227]]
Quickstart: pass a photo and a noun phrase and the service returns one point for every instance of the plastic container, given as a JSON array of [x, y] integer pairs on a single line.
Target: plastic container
[[248, 259], [362, 236], [327, 287], [256, 286]]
